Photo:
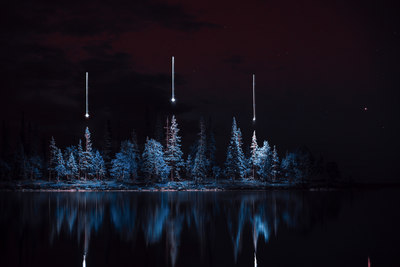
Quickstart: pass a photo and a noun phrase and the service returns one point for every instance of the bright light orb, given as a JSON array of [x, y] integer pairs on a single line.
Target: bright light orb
[[87, 115], [254, 119], [173, 99]]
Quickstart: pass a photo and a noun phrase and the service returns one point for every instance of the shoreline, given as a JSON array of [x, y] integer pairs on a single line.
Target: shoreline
[[177, 186]]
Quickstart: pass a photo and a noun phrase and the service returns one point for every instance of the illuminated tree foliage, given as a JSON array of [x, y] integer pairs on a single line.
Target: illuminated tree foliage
[[154, 165], [199, 168], [235, 162], [173, 152], [158, 163]]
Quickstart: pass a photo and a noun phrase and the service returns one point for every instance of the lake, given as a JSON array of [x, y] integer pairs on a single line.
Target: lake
[[255, 228]]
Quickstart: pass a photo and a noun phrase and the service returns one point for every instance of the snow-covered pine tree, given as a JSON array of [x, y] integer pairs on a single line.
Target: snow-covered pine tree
[[120, 166], [72, 166], [81, 166], [99, 165], [52, 157], [60, 167], [199, 170], [211, 149], [173, 152], [275, 164], [153, 163], [87, 156], [254, 154], [263, 161], [136, 156], [234, 164], [242, 162], [125, 165], [107, 145], [70, 149]]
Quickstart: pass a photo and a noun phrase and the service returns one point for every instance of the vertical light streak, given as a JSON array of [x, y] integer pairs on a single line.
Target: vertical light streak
[[87, 95], [173, 80], [254, 97]]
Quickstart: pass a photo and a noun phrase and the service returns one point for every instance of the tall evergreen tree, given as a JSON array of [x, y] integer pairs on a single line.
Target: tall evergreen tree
[[71, 166], [107, 145], [211, 150], [60, 167], [291, 168], [154, 165], [136, 152], [173, 153], [99, 167], [81, 165], [275, 164], [120, 166], [125, 165], [254, 154], [263, 161], [86, 164], [199, 170], [52, 157], [234, 164]]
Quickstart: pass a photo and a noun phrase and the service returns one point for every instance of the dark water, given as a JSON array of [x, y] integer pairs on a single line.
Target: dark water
[[285, 228]]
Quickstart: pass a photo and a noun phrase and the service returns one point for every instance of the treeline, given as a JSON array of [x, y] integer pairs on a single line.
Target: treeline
[[162, 160]]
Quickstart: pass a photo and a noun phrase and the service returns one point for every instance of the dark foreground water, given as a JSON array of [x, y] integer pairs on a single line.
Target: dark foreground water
[[280, 228]]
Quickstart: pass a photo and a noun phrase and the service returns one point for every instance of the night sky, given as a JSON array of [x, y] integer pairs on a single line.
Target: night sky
[[327, 72]]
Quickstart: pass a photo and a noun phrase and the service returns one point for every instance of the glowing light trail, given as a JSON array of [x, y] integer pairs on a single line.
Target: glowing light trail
[[87, 96], [254, 98], [173, 80]]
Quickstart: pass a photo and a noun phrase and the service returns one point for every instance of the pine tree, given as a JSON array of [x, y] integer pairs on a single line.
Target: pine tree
[[120, 166], [71, 149], [35, 166], [81, 165], [87, 156], [234, 164], [173, 153], [99, 165], [254, 154], [125, 165], [52, 157], [107, 145], [211, 149], [263, 161], [136, 154], [153, 163], [199, 170], [60, 167], [274, 165], [291, 168], [71, 166]]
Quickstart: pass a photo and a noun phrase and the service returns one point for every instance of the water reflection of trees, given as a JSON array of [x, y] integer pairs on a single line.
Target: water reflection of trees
[[164, 216]]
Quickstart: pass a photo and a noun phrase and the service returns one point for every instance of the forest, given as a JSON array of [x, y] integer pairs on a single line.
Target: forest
[[162, 160]]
